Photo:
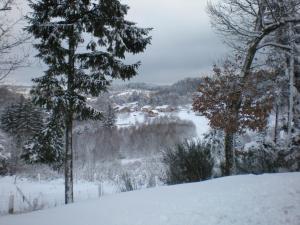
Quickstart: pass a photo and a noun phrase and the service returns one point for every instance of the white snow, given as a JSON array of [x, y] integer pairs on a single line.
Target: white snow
[[270, 199], [252, 144], [130, 92], [129, 161], [162, 107], [43, 193], [130, 119], [147, 107], [200, 122]]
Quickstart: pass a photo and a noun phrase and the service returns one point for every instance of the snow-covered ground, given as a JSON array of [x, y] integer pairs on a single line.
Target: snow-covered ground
[[48, 194], [200, 122], [44, 194], [270, 199]]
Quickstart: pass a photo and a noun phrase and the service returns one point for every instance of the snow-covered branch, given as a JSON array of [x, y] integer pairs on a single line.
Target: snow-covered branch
[[274, 44]]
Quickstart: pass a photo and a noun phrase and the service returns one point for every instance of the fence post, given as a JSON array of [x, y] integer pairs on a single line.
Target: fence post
[[156, 181], [100, 189], [11, 204]]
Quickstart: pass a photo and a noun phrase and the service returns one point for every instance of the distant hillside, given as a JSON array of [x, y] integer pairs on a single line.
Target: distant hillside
[[8, 96], [24, 90], [179, 93]]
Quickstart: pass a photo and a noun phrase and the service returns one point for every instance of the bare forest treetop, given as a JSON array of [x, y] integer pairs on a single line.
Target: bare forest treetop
[[5, 5], [241, 22], [10, 38], [248, 25]]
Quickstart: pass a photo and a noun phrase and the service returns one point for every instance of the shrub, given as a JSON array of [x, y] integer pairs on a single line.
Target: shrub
[[151, 181], [289, 159], [188, 162], [257, 159], [5, 154], [3, 166], [127, 183]]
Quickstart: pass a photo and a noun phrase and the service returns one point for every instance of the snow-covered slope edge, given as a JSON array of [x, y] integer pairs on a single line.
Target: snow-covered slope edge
[[270, 199]]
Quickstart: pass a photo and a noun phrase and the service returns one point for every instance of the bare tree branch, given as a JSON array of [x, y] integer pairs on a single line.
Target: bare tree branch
[[274, 44], [10, 39], [5, 5]]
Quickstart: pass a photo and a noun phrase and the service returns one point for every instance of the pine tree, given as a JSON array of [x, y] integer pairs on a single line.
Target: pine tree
[[47, 146], [4, 153], [83, 43], [22, 121], [110, 118], [7, 119]]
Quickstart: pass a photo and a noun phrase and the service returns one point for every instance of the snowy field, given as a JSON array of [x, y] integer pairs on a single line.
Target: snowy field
[[50, 193], [30, 194], [270, 199]]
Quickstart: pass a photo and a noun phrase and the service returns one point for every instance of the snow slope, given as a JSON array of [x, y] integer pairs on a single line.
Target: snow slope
[[44, 194], [270, 199]]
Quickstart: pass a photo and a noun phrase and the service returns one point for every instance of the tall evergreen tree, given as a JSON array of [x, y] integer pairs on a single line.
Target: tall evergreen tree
[[83, 43], [22, 121], [110, 118], [47, 146], [5, 154]]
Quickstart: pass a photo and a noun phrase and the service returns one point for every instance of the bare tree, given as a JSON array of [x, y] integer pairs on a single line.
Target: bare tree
[[10, 40], [247, 26], [5, 5]]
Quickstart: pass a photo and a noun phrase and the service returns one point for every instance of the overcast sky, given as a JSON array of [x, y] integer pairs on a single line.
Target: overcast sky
[[183, 45]]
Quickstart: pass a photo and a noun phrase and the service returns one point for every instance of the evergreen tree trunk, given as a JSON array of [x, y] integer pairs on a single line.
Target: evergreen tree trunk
[[69, 161], [228, 153], [291, 88], [69, 123]]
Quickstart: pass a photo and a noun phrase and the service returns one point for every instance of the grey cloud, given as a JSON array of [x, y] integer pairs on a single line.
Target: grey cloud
[[183, 45]]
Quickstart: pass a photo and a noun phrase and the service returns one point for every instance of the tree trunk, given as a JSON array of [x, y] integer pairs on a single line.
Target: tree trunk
[[229, 159], [245, 73], [296, 141], [69, 161], [69, 123], [291, 86], [248, 61], [276, 122], [291, 101]]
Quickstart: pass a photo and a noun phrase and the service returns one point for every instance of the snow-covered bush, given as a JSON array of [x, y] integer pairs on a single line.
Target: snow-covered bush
[[289, 159], [190, 161], [3, 164], [5, 156], [127, 183], [257, 158], [254, 153], [215, 140]]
